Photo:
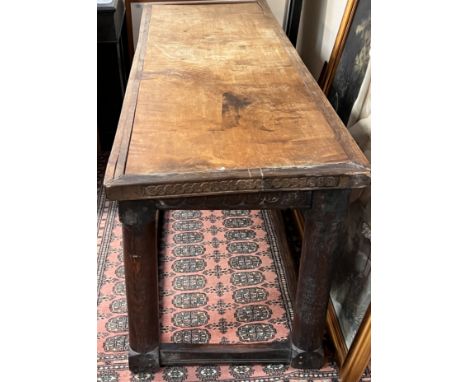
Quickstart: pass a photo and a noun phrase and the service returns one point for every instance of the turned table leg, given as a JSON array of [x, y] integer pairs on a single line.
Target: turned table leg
[[139, 226], [323, 224]]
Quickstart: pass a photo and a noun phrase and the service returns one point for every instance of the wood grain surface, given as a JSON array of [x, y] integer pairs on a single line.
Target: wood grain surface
[[218, 93]]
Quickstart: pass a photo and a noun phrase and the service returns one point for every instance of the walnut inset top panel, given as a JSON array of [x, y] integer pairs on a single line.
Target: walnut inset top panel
[[218, 89]]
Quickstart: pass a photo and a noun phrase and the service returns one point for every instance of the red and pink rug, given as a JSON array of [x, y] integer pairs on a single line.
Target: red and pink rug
[[222, 281]]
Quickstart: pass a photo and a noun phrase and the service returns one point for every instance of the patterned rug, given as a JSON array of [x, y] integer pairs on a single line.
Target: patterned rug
[[222, 281], [219, 279]]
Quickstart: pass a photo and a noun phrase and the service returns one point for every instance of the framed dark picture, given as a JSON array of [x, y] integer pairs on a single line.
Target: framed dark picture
[[347, 73]]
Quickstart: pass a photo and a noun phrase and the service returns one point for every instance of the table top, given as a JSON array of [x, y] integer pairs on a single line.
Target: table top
[[219, 101]]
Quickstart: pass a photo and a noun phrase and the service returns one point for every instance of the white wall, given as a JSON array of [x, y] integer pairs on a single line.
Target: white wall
[[278, 7], [319, 25]]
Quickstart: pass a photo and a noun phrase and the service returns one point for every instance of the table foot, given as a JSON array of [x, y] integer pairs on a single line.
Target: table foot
[[143, 362], [311, 359]]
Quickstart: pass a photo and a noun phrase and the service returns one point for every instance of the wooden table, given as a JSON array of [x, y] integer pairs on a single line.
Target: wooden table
[[221, 113]]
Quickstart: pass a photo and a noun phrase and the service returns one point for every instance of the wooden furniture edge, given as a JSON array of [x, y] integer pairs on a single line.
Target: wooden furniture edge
[[131, 187], [189, 354], [288, 262], [117, 158]]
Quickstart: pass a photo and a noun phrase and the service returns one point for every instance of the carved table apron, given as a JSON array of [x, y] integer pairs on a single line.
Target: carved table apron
[[221, 113]]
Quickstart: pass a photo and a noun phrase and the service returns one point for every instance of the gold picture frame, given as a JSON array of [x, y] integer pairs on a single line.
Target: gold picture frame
[[326, 78]]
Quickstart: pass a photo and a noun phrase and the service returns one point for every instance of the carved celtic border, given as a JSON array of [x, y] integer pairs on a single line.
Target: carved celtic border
[[293, 183]]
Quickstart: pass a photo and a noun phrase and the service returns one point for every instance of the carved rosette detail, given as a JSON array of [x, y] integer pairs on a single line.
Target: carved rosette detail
[[293, 183]]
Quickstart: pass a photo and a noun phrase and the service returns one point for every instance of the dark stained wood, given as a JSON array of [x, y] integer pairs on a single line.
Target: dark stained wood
[[190, 354], [129, 26], [218, 93], [132, 187], [141, 281], [324, 223], [286, 255], [115, 167], [332, 323], [262, 200]]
